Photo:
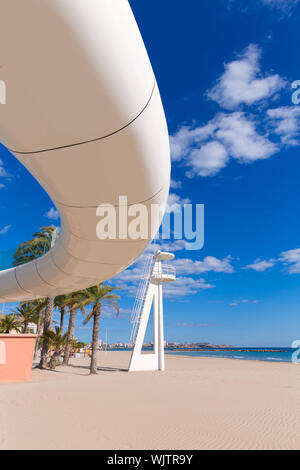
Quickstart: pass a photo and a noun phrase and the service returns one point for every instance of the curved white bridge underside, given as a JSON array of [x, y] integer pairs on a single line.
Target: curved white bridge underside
[[84, 116]]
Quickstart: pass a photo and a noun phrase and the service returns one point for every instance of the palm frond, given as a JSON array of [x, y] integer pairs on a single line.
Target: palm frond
[[88, 318]]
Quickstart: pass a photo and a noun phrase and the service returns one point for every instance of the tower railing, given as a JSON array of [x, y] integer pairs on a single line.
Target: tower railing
[[164, 272], [141, 296]]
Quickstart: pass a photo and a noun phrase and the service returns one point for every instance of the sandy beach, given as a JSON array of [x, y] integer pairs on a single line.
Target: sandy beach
[[197, 403]]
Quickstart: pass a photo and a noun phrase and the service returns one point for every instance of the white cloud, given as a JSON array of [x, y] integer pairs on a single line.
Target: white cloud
[[243, 83], [5, 229], [52, 214], [284, 5], [176, 184], [187, 136], [185, 287], [261, 265], [193, 325], [206, 149], [175, 202], [210, 263], [286, 123], [232, 135], [236, 303], [243, 142], [130, 275], [209, 159], [125, 312], [3, 172], [291, 259], [176, 245]]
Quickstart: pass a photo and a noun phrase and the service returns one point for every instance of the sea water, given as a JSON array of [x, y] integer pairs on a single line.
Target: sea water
[[252, 354]]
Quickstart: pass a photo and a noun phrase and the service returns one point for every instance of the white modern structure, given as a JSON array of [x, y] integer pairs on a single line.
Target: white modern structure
[[150, 293], [83, 114]]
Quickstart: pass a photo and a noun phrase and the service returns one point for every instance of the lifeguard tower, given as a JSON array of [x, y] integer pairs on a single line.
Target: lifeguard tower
[[150, 292]]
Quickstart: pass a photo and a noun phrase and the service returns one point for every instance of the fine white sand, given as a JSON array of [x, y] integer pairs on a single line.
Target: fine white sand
[[197, 403]]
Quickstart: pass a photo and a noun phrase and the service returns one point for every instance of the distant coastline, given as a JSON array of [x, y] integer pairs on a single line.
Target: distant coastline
[[200, 347], [220, 351], [230, 348]]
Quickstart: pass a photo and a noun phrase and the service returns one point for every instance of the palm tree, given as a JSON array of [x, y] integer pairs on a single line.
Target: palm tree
[[58, 342], [48, 319], [27, 314], [10, 323], [39, 306], [99, 296], [42, 241], [75, 301], [60, 303], [48, 236]]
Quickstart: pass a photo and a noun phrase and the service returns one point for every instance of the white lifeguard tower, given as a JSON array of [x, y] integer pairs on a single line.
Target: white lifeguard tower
[[150, 292]]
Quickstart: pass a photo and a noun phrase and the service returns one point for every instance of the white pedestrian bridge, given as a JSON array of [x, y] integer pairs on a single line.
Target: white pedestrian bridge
[[83, 114]]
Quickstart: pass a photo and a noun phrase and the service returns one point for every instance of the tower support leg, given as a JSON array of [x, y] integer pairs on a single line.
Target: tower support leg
[[155, 360], [161, 339]]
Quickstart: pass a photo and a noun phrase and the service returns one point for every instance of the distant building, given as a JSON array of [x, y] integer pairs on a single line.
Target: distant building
[[32, 328]]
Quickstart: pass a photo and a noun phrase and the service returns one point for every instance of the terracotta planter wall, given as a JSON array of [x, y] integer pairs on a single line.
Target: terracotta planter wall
[[16, 354]]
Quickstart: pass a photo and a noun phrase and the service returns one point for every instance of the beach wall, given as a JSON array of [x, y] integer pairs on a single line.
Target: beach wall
[[16, 354]]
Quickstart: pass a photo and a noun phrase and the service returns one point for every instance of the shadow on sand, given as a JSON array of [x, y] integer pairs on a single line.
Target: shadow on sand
[[68, 369], [102, 369]]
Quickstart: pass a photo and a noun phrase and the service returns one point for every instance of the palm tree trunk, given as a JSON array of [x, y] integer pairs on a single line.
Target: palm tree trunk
[[62, 317], [54, 361], [71, 331], [39, 333], [94, 362], [47, 326]]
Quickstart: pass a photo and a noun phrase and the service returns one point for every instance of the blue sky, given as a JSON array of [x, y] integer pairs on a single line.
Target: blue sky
[[225, 71]]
